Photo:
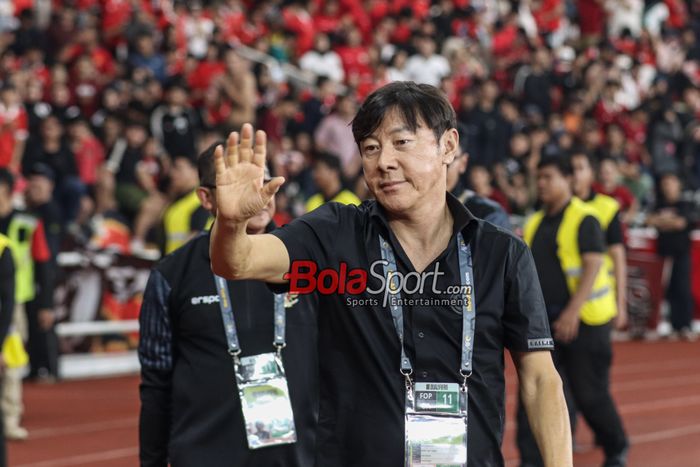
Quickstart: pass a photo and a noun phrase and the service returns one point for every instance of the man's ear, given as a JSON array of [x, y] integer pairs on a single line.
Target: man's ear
[[450, 141], [206, 199]]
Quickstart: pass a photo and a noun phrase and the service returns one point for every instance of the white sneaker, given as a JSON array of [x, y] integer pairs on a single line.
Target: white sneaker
[[16, 433]]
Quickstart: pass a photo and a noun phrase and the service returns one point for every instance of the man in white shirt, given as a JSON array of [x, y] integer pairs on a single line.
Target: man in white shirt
[[322, 61], [426, 67]]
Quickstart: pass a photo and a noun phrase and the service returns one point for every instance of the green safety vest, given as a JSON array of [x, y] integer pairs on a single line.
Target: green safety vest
[[20, 233]]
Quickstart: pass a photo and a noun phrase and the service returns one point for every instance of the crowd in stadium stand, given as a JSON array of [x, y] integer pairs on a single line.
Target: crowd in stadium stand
[[102, 97]]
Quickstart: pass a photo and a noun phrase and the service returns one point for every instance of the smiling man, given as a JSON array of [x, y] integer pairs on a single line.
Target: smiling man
[[418, 380]]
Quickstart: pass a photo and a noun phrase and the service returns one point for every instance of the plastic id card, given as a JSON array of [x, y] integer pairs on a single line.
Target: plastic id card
[[264, 393], [436, 426]]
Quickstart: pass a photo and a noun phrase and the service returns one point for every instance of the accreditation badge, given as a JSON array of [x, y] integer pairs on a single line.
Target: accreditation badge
[[436, 425], [264, 394]]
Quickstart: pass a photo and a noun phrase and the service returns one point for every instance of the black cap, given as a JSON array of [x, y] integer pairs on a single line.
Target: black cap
[[39, 168]]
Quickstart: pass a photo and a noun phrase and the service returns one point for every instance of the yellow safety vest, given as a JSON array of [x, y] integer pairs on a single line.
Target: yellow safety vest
[[20, 232], [12, 348], [605, 208], [177, 220], [344, 197], [600, 306]]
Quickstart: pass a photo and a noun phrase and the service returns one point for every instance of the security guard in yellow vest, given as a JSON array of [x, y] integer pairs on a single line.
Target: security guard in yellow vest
[[33, 281], [185, 216], [7, 304], [607, 211], [568, 247], [327, 175]]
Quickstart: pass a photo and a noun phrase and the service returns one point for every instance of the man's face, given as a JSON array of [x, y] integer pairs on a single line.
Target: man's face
[[552, 185], [39, 190], [671, 188], [609, 172], [583, 173], [183, 175], [322, 175], [5, 194], [402, 167]]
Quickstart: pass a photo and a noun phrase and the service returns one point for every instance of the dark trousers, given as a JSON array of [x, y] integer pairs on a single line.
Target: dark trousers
[[678, 294], [42, 345], [584, 366]]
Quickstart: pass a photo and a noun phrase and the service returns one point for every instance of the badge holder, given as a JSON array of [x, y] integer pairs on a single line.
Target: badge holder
[[436, 413], [436, 425], [264, 394], [261, 380]]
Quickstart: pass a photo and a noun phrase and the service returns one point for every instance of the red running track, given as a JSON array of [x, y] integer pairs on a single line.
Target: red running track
[[656, 386]]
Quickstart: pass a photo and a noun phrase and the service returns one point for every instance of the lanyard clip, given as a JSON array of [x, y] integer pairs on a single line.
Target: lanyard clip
[[279, 348], [465, 377], [234, 354]]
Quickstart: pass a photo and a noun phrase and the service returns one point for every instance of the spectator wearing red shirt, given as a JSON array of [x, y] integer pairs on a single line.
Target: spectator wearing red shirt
[[297, 19], [88, 150], [591, 14], [609, 184], [481, 182], [355, 58], [548, 15], [328, 19], [88, 43], [205, 73], [13, 128], [677, 13]]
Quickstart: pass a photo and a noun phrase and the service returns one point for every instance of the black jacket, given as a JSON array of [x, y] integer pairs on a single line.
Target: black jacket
[[191, 412]]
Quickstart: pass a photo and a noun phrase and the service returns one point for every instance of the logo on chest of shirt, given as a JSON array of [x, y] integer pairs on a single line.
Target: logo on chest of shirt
[[290, 299], [205, 300]]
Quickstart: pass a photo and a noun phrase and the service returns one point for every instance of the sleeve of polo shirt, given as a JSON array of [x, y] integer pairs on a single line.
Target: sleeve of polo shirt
[[314, 235], [155, 355], [613, 236], [525, 323], [590, 236]]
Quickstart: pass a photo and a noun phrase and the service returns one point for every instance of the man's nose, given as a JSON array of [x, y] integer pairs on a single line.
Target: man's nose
[[387, 157]]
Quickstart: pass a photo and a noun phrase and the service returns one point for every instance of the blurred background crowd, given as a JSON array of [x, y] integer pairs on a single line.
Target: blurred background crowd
[[105, 104]]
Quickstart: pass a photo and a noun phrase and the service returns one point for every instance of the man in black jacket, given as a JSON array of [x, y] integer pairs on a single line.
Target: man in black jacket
[[191, 414]]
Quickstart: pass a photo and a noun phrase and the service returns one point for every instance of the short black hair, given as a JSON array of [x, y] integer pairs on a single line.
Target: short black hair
[[206, 169], [7, 179], [329, 160], [561, 163], [581, 152], [414, 102]]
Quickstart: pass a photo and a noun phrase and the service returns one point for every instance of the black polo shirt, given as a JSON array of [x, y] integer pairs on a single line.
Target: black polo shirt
[[362, 391]]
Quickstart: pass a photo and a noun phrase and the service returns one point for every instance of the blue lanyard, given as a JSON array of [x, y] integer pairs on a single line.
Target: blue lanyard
[[234, 347], [468, 304]]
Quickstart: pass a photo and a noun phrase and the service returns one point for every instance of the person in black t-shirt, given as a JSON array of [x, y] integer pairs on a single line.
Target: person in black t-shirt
[[407, 136], [673, 218]]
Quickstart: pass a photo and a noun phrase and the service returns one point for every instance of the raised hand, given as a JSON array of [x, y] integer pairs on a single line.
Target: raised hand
[[241, 192]]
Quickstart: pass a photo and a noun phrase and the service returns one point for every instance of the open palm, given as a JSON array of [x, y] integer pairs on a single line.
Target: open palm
[[240, 169]]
